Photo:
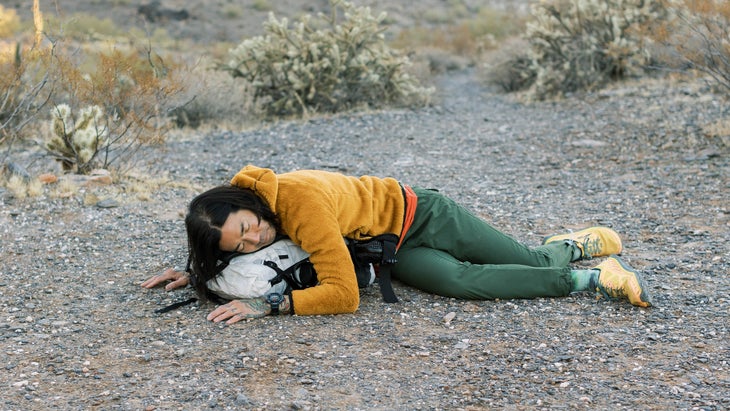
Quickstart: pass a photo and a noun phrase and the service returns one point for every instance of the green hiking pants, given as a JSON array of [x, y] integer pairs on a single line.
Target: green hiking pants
[[451, 252]]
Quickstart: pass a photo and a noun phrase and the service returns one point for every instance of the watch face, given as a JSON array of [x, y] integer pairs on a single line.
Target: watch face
[[274, 298]]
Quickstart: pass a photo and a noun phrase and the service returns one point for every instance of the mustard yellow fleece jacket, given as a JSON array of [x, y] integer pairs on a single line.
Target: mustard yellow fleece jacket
[[317, 209]]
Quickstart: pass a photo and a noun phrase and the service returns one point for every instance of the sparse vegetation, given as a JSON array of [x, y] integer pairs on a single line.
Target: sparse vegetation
[[232, 11], [325, 65], [79, 64], [84, 27], [115, 107], [105, 105], [261, 5], [697, 38], [578, 45], [466, 37], [24, 81], [9, 22]]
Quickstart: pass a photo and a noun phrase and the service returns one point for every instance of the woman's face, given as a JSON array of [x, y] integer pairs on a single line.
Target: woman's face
[[244, 233]]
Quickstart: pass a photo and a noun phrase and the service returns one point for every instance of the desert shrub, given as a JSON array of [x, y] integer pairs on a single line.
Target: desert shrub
[[510, 67], [103, 115], [84, 27], [324, 65], [212, 98], [582, 44], [24, 87], [9, 22], [699, 38], [105, 103], [21, 80]]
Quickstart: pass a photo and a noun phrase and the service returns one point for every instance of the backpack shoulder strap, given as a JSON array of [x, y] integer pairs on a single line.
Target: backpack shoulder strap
[[379, 250], [296, 282], [390, 241]]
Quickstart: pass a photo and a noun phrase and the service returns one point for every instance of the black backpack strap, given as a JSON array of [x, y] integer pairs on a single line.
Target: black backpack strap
[[379, 250], [304, 280], [176, 305], [390, 241]]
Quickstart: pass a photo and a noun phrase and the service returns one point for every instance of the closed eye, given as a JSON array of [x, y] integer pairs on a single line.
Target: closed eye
[[240, 245]]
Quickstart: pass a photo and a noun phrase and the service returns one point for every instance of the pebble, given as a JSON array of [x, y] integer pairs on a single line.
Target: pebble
[[107, 203], [449, 317]]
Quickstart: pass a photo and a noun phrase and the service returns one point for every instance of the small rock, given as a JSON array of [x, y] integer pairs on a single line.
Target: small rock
[[449, 317], [107, 203], [588, 143], [96, 177], [100, 176], [242, 400], [461, 345], [47, 178]]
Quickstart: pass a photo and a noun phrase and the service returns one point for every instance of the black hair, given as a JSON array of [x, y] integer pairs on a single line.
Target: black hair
[[206, 215]]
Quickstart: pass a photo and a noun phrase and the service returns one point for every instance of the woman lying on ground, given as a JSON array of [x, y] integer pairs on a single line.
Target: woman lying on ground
[[442, 248]]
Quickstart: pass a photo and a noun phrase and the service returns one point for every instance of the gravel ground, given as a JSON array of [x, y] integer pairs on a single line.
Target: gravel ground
[[78, 332]]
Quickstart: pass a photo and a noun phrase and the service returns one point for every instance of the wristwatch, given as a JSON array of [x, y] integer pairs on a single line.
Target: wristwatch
[[274, 299]]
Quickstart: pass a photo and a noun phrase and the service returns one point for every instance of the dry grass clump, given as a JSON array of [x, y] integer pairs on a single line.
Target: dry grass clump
[[20, 187], [718, 132], [83, 27]]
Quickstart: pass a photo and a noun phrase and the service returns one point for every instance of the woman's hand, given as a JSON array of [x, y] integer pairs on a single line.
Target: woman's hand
[[177, 279], [238, 310], [246, 309]]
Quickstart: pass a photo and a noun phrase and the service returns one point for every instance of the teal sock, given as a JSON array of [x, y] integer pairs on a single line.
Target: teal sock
[[584, 280]]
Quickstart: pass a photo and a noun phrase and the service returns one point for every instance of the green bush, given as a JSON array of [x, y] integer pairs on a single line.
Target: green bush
[[583, 44], [323, 65]]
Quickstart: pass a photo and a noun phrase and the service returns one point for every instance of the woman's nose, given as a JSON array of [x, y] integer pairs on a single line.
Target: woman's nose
[[252, 237]]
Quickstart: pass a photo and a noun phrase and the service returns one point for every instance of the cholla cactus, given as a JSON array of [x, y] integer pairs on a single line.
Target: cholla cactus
[[580, 44], [324, 65], [77, 142]]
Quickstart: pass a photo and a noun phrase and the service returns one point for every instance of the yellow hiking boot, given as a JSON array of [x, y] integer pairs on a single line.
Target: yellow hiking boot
[[618, 280], [592, 242]]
